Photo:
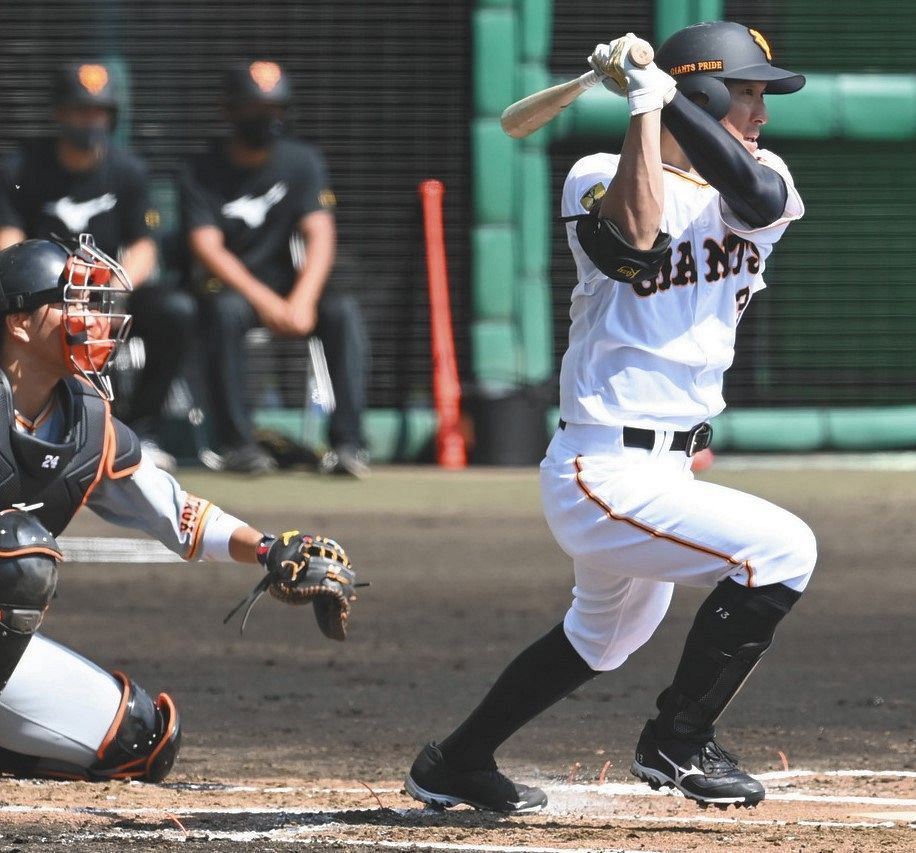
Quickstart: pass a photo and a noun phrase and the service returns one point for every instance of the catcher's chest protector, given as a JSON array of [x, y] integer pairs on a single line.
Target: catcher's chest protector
[[61, 476]]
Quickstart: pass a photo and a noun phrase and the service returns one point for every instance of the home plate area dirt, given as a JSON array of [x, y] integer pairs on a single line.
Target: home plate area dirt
[[861, 811]]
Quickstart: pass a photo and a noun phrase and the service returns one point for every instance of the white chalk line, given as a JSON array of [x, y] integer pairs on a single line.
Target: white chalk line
[[612, 789], [109, 549], [275, 835]]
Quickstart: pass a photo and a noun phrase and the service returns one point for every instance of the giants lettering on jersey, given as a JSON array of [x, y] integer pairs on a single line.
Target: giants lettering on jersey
[[722, 259]]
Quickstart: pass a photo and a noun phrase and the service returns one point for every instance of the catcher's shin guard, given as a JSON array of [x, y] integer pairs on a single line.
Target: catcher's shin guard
[[142, 743], [143, 740], [732, 630]]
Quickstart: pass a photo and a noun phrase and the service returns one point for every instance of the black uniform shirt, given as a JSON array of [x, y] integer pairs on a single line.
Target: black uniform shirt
[[111, 201], [259, 209]]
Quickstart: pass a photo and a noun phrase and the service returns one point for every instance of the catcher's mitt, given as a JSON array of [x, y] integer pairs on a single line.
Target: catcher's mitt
[[302, 569]]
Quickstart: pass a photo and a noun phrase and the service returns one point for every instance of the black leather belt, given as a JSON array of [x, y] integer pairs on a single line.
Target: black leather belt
[[691, 442]]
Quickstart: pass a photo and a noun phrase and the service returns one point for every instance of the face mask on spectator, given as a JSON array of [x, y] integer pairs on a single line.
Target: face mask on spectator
[[260, 131]]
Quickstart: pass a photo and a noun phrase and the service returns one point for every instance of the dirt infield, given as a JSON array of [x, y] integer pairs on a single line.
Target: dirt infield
[[290, 739]]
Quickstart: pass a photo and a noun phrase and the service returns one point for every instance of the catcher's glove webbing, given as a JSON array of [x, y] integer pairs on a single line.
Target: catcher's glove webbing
[[302, 569]]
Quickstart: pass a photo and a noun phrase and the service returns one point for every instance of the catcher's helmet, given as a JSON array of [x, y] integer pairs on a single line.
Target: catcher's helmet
[[92, 289], [701, 57], [259, 82], [31, 275], [85, 84]]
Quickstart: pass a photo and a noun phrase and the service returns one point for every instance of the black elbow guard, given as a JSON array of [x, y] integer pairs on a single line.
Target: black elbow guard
[[615, 257]]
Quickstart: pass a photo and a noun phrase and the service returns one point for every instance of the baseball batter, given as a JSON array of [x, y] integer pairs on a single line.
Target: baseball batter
[[61, 716], [670, 238]]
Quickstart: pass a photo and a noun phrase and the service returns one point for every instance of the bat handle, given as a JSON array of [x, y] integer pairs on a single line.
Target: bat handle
[[640, 54]]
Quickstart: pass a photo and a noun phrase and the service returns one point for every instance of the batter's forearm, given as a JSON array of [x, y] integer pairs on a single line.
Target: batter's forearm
[[753, 191]]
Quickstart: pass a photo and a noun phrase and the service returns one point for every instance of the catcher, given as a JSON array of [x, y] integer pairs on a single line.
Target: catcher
[[61, 716]]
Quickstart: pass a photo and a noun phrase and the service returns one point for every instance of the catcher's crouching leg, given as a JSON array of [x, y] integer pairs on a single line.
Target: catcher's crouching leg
[[62, 717]]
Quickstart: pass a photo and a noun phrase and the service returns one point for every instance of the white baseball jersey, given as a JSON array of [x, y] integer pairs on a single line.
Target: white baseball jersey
[[653, 354]]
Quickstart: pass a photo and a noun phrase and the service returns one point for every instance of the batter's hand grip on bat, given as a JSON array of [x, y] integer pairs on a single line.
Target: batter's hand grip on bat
[[529, 114]]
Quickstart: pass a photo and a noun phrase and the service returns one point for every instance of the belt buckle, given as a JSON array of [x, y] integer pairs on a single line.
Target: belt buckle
[[699, 438]]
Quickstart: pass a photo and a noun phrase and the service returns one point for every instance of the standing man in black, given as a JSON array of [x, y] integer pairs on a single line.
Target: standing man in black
[[80, 181], [258, 210]]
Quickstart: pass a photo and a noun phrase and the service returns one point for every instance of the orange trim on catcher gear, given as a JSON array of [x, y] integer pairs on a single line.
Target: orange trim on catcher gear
[[659, 534], [119, 716], [112, 457], [138, 768], [164, 699], [41, 549], [109, 447]]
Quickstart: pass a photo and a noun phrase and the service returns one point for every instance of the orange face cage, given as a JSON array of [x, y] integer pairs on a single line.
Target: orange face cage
[[95, 293]]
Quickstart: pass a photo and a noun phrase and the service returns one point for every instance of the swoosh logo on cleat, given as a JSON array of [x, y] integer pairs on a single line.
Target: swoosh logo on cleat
[[681, 773]]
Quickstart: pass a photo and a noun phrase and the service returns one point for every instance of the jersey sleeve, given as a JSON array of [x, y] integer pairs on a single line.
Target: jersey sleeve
[[134, 202], [794, 209], [197, 206], [151, 500], [587, 182], [10, 213], [315, 192]]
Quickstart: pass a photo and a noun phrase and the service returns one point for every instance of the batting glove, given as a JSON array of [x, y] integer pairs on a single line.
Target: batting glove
[[648, 89]]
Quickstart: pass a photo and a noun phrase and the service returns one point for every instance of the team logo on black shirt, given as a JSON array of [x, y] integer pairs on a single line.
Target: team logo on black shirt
[[76, 214], [253, 209]]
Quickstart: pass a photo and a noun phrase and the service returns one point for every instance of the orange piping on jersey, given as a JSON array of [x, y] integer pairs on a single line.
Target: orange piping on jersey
[[116, 722], [739, 564], [679, 173], [199, 532], [40, 418]]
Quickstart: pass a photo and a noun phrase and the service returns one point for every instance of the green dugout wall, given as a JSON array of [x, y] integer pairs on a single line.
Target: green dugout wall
[[827, 356]]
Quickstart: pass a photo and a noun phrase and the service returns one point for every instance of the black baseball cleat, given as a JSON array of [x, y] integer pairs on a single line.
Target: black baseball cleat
[[703, 772], [433, 782]]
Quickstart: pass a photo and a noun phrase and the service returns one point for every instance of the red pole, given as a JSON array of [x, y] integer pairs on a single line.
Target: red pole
[[450, 447]]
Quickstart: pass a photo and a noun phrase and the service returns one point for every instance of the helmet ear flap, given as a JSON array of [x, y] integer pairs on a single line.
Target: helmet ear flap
[[707, 92]]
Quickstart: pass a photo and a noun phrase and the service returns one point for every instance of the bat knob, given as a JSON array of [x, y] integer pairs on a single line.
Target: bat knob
[[641, 53]]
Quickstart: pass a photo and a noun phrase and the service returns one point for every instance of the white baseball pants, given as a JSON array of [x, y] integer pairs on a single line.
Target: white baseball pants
[[636, 522]]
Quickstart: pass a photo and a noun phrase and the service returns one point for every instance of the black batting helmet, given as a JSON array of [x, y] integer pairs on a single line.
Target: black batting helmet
[[258, 82], [701, 57], [85, 84]]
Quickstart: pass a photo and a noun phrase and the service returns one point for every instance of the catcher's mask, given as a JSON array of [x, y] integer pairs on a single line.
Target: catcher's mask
[[91, 289], [703, 56]]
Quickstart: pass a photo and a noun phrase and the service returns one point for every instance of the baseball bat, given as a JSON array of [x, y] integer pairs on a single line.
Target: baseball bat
[[451, 451], [529, 114]]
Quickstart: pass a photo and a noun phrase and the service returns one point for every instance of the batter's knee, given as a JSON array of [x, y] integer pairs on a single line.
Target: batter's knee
[[801, 558]]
